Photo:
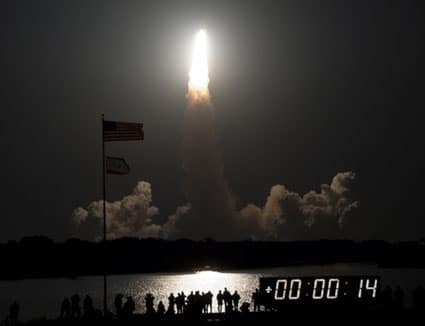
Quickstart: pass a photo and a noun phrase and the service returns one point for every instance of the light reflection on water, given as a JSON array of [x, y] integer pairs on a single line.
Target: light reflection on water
[[161, 285], [43, 297]]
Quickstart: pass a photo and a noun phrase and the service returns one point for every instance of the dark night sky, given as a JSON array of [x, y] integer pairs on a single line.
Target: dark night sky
[[303, 90]]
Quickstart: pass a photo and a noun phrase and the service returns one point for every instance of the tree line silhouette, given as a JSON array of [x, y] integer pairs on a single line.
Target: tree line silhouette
[[40, 256]]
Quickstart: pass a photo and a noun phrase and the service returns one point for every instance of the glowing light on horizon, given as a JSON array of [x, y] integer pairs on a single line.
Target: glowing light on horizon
[[207, 273]]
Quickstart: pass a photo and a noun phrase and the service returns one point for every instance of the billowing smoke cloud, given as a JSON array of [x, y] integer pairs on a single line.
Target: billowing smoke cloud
[[288, 215], [131, 216]]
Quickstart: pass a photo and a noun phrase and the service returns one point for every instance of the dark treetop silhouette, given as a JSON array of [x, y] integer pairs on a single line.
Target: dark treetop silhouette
[[128, 255]]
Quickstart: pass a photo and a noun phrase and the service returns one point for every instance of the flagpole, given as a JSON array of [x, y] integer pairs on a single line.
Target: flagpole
[[105, 304]]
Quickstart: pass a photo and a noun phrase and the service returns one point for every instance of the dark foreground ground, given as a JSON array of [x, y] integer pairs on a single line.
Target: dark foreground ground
[[316, 316]]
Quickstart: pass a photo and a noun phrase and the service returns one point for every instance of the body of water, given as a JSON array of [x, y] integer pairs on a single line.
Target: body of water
[[43, 297]]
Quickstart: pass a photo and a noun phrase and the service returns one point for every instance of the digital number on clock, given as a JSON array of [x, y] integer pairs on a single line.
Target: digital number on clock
[[320, 289]]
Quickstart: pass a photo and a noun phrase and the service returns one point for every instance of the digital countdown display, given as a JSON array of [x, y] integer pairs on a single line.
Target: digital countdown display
[[311, 290]]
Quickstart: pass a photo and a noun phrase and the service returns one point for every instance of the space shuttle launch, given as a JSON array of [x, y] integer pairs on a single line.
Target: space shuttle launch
[[210, 210], [205, 186]]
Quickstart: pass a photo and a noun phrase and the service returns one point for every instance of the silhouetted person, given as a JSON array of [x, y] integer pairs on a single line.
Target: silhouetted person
[[190, 302], [204, 302], [161, 308], [235, 298], [220, 300], [209, 296], [171, 301], [229, 305], [183, 298], [65, 309], [227, 300], [118, 304], [255, 300], [13, 317], [149, 299], [180, 302], [398, 298], [88, 308], [129, 307], [387, 298], [419, 298], [197, 303], [75, 306], [245, 307]]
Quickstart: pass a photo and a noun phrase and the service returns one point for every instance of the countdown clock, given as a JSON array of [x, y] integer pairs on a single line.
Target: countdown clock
[[338, 289]]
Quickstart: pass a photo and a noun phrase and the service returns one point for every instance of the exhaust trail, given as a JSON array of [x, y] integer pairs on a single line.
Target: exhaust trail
[[212, 207]]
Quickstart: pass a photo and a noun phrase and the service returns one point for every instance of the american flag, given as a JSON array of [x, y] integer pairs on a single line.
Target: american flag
[[122, 131]]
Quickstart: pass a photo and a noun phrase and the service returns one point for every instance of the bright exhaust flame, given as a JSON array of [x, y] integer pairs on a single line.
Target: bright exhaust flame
[[198, 75]]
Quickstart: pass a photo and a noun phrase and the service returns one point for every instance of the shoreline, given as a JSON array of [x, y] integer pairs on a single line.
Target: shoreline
[[219, 270], [193, 271]]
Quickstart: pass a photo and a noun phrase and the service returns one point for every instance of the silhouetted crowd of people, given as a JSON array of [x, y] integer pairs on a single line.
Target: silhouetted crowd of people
[[194, 303], [12, 317], [71, 309], [395, 300], [197, 303]]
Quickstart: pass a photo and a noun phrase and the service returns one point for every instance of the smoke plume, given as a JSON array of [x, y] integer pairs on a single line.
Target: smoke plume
[[131, 216], [287, 215], [212, 206]]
